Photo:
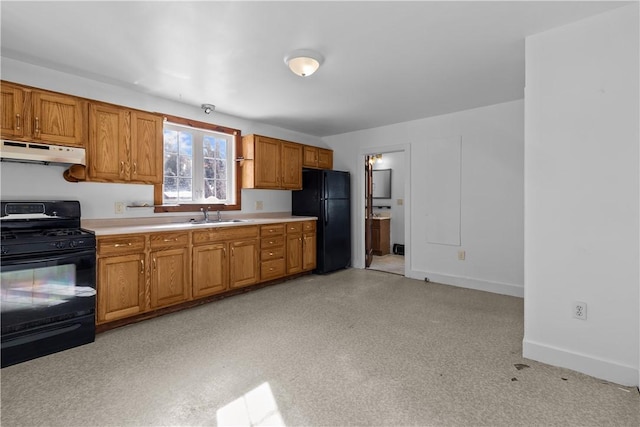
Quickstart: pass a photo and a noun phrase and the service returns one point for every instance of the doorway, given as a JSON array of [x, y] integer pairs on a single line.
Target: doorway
[[384, 218]]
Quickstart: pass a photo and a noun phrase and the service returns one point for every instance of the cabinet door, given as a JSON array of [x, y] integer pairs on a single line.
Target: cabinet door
[[291, 157], [109, 143], [13, 112], [310, 157], [308, 251], [170, 277], [146, 147], [267, 162], [210, 272], [57, 118], [294, 253], [121, 281], [244, 264], [325, 159]]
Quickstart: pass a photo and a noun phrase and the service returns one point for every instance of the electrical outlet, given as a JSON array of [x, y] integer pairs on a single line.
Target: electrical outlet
[[259, 205], [400, 202], [580, 310], [119, 208], [461, 255]]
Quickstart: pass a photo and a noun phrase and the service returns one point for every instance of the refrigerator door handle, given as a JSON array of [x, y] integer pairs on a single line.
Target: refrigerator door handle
[[326, 211]]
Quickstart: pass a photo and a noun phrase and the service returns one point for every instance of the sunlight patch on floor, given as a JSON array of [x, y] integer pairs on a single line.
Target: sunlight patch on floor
[[257, 407]]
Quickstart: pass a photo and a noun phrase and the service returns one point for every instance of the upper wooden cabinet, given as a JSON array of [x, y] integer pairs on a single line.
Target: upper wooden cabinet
[[317, 158], [271, 163], [124, 145], [36, 115]]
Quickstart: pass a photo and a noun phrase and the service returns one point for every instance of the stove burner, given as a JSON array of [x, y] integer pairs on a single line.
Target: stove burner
[[57, 233]]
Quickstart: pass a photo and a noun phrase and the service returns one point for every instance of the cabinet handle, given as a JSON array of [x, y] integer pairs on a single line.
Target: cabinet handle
[[135, 168], [271, 269], [121, 168], [17, 121], [119, 245], [270, 253], [37, 130], [232, 251], [141, 266], [175, 239], [155, 265], [270, 242], [224, 252]]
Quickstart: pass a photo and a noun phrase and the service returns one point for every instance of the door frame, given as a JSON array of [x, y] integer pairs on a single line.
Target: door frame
[[359, 205]]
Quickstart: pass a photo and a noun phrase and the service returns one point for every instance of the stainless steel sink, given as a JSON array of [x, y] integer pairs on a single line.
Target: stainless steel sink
[[224, 221]]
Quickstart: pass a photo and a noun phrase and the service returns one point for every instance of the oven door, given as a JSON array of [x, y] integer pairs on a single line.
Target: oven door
[[38, 289]]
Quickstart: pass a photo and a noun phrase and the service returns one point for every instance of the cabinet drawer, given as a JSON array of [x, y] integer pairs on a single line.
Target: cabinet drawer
[[217, 234], [294, 227], [114, 245], [271, 230], [272, 269], [270, 242], [309, 226], [273, 253], [163, 240]]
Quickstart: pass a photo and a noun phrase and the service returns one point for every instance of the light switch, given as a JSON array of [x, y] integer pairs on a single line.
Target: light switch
[[400, 202]]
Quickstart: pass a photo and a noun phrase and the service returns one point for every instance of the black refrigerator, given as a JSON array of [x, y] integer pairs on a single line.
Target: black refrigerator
[[325, 194]]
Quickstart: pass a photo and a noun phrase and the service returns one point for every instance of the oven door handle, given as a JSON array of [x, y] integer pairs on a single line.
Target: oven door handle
[[34, 258]]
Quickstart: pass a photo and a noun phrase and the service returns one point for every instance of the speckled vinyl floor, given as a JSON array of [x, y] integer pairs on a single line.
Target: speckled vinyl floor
[[354, 347]]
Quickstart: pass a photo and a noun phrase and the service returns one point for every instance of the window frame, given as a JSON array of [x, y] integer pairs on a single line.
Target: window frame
[[195, 207]]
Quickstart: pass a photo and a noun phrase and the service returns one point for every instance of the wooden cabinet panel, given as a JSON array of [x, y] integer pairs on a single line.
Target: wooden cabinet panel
[[291, 166], [294, 253], [317, 158], [272, 253], [271, 163], [325, 158], [57, 118], [39, 116], [109, 142], [272, 269], [244, 265], [121, 283], [267, 163], [170, 277], [309, 251], [13, 111], [380, 231], [210, 269], [172, 239], [146, 147], [117, 245], [272, 230]]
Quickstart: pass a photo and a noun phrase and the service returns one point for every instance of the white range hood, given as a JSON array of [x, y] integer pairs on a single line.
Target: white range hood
[[32, 152]]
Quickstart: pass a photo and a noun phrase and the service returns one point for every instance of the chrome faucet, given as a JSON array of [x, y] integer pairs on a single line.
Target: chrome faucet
[[206, 214]]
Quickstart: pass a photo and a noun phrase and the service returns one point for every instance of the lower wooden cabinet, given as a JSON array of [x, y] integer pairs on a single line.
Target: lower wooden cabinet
[[243, 265], [143, 272], [210, 269], [121, 285]]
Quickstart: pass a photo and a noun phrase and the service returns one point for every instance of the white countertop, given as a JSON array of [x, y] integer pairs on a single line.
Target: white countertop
[[105, 227]]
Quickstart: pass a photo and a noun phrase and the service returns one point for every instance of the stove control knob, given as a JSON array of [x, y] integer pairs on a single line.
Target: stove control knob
[[73, 243], [59, 245], [3, 251]]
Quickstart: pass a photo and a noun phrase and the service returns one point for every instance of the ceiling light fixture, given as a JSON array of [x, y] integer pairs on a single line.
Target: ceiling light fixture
[[303, 62], [208, 108]]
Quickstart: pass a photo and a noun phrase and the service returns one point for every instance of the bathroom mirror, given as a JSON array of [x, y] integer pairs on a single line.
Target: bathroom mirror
[[382, 183]]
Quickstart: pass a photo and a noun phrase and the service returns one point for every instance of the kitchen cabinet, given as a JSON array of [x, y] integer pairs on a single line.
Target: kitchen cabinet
[[210, 269], [121, 277], [271, 163], [41, 116], [301, 246], [170, 269], [317, 158], [124, 145], [244, 263], [272, 249], [380, 231]]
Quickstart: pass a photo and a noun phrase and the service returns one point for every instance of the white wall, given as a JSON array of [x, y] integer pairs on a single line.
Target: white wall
[[395, 162], [492, 198], [582, 196], [20, 181]]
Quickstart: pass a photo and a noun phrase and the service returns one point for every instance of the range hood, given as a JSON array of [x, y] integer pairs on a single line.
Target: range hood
[[32, 152]]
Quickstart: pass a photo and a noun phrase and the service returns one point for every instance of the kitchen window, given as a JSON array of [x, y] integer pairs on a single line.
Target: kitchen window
[[199, 167]]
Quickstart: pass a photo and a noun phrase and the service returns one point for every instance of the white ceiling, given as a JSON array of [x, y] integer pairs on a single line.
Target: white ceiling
[[385, 62]]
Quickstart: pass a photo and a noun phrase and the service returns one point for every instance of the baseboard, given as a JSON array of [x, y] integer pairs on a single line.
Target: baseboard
[[470, 283], [599, 368]]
